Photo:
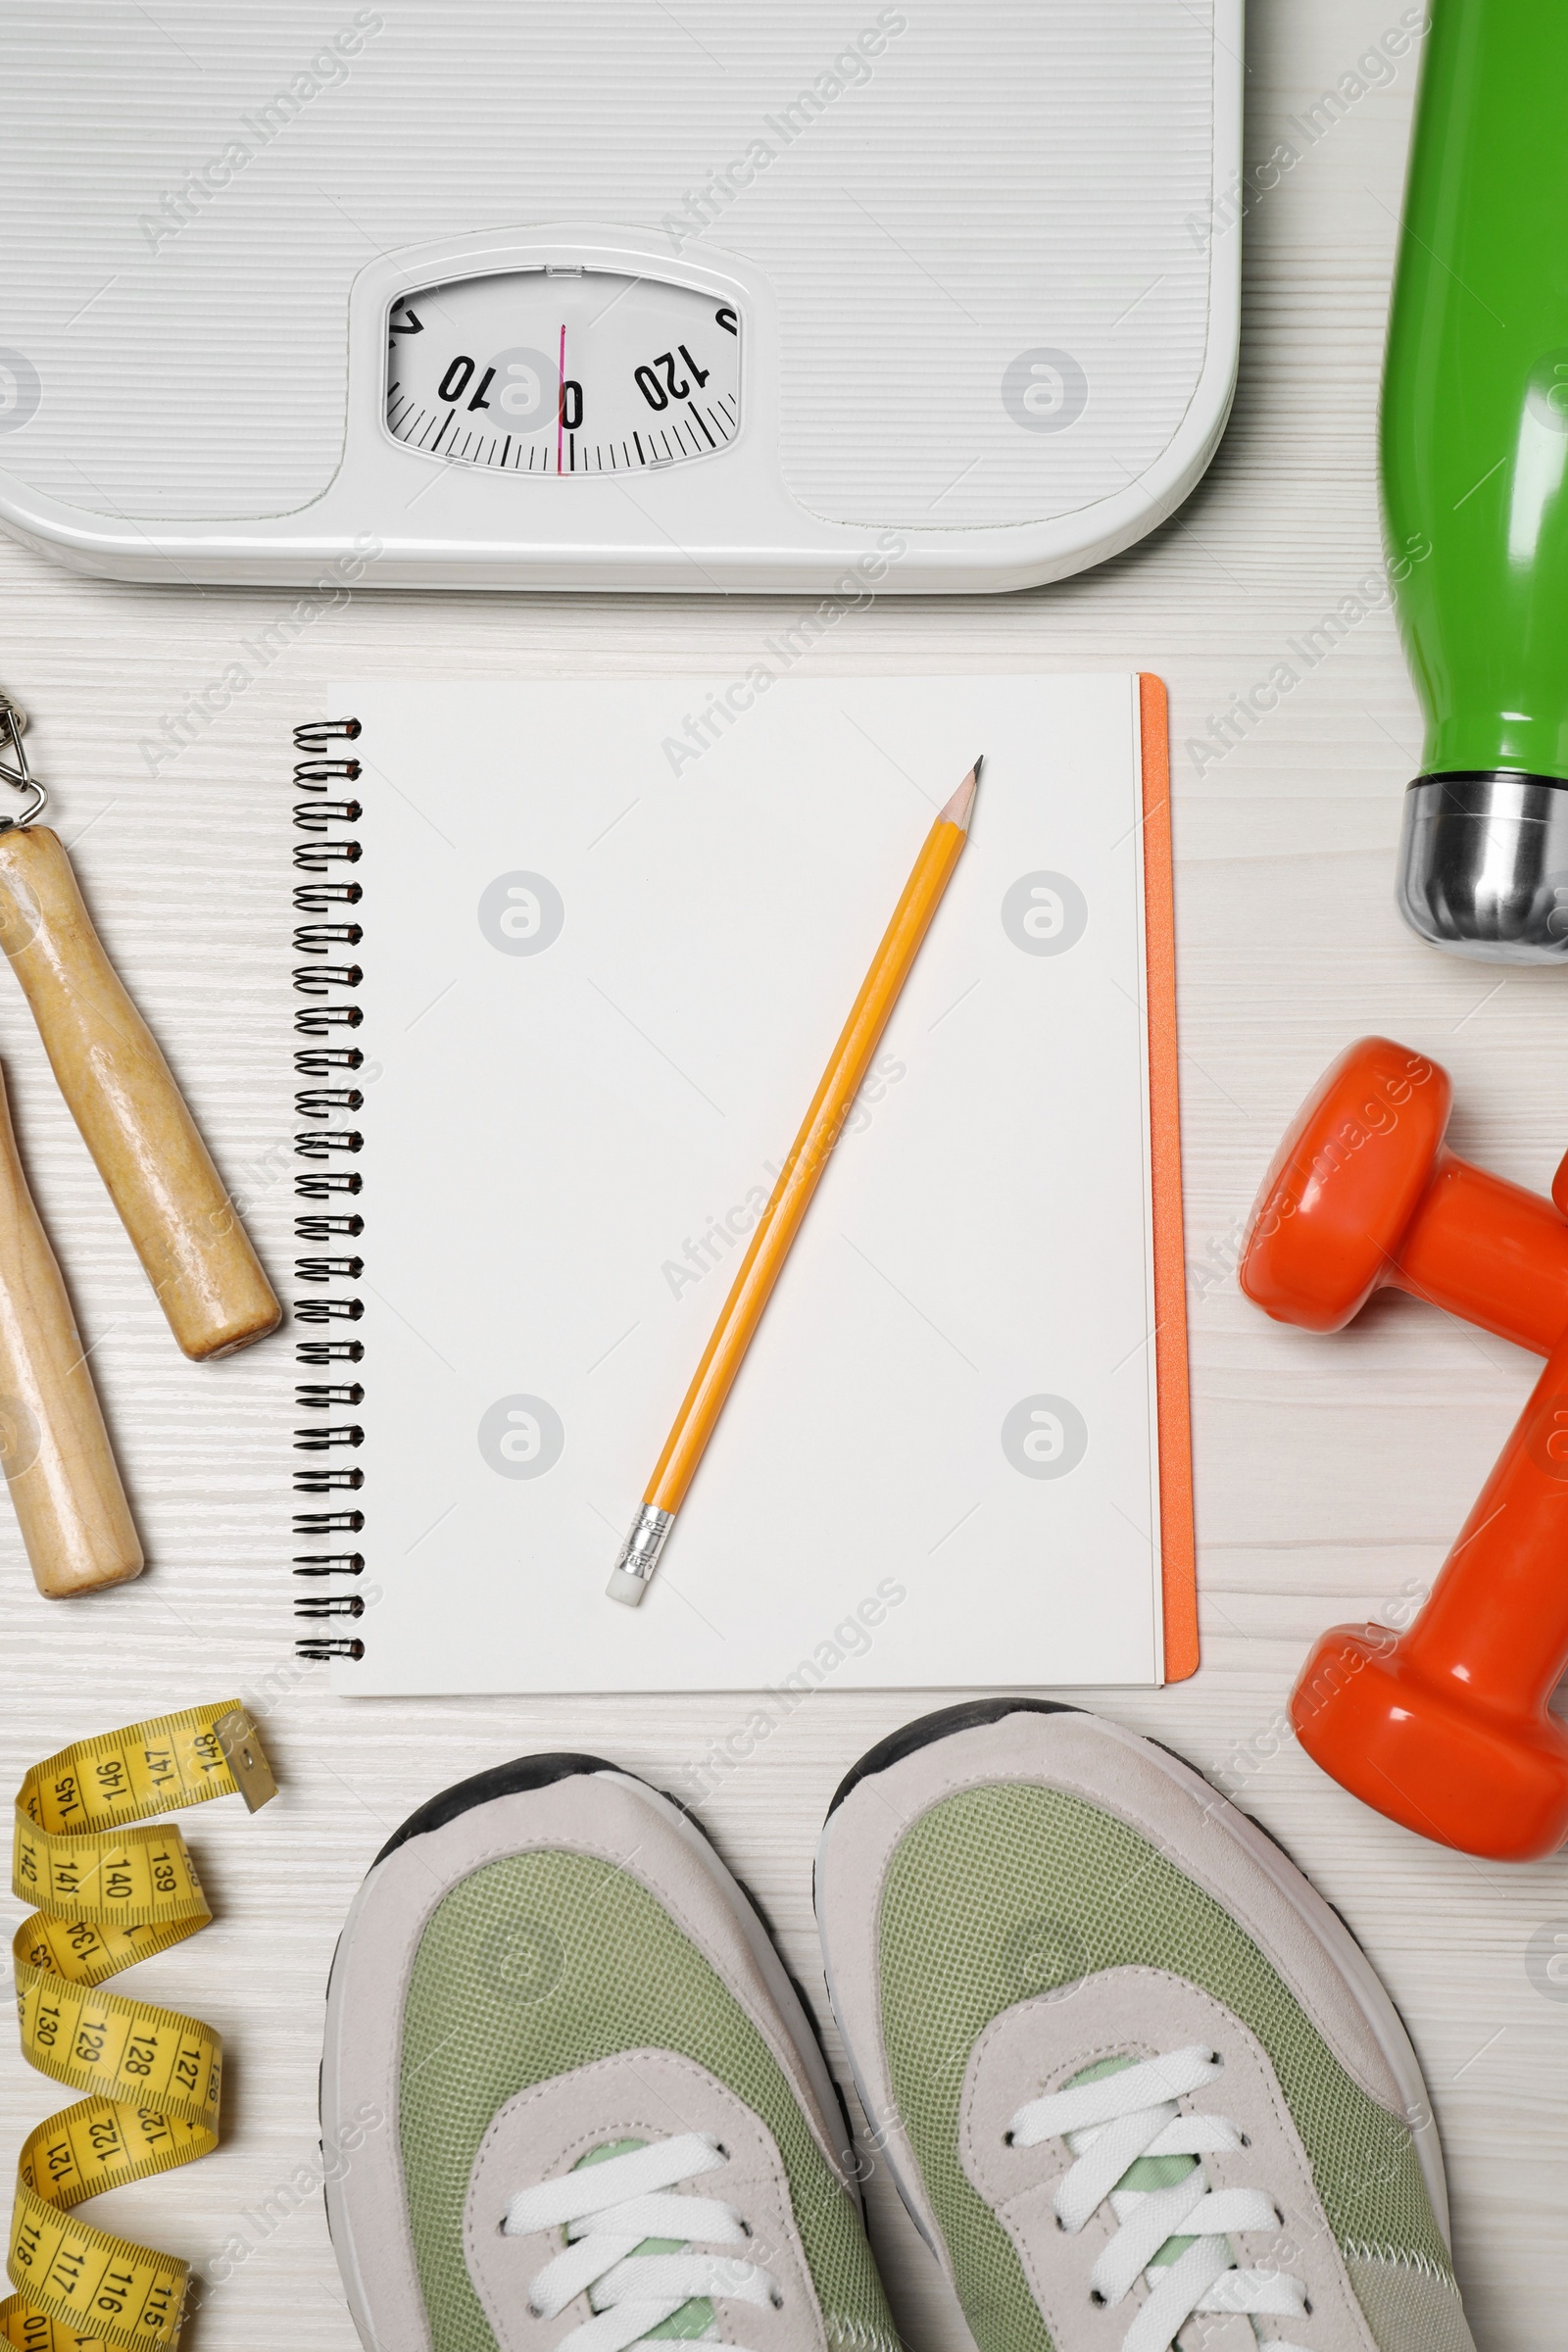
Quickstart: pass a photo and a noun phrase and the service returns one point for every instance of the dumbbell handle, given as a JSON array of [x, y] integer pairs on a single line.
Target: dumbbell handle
[[1494, 1633], [1488, 1251]]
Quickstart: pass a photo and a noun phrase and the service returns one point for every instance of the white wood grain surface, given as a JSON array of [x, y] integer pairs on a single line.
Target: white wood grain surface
[[1331, 1473]]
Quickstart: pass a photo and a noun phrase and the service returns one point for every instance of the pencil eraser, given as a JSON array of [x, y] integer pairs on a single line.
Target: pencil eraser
[[628, 1589]]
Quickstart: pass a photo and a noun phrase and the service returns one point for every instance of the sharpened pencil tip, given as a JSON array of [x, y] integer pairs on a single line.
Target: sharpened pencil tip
[[956, 811]]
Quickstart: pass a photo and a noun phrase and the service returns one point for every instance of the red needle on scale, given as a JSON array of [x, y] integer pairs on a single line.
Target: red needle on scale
[[561, 402]]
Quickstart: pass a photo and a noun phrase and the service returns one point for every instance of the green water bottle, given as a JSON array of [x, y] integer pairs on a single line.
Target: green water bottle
[[1475, 480]]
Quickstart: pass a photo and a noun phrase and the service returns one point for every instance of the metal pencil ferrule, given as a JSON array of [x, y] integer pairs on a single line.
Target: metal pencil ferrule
[[639, 1554]]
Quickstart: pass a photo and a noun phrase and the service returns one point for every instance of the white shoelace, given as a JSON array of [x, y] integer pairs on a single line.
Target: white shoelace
[[607, 2211], [1108, 2125]]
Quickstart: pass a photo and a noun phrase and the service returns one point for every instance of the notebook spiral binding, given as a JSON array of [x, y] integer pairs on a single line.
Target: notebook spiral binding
[[324, 943]]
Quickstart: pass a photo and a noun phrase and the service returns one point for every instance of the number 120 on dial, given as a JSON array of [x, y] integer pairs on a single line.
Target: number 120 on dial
[[568, 371]]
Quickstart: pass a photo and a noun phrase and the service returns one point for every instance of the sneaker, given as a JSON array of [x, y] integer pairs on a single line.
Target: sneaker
[[1125, 2065], [569, 2096]]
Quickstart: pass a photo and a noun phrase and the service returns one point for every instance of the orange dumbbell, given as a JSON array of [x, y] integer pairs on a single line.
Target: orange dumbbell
[[1447, 1727]]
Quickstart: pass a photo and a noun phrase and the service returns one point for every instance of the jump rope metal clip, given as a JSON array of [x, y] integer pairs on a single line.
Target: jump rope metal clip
[[14, 768]]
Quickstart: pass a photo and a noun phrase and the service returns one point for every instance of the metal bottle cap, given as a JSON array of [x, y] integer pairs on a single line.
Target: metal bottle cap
[[1483, 865]]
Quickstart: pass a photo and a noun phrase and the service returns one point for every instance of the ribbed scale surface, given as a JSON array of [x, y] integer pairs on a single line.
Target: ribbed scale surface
[[1004, 176], [628, 1980], [997, 1895]]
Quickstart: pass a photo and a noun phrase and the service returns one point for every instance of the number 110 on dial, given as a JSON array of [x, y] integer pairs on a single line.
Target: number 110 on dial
[[563, 371]]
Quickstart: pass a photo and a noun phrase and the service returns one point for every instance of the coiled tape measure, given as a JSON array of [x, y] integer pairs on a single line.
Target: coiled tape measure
[[109, 1895]]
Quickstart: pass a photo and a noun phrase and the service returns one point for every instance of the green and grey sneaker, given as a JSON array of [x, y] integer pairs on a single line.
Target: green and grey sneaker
[[569, 2096], [1132, 2077]]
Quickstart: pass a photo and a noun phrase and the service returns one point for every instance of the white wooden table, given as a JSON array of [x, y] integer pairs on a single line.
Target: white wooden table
[[1331, 1473]]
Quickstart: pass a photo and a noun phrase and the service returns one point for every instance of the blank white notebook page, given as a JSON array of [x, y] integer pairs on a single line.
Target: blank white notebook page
[[603, 971]]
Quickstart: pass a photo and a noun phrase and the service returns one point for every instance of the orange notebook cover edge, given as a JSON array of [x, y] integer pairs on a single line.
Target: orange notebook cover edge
[[1178, 1541]]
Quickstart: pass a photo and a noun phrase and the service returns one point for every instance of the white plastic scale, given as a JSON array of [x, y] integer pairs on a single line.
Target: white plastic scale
[[935, 299]]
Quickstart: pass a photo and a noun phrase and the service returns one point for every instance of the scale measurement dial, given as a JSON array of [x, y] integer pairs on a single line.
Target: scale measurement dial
[[561, 371]]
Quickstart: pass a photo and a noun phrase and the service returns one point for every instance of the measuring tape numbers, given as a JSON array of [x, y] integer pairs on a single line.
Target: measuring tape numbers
[[108, 1894]]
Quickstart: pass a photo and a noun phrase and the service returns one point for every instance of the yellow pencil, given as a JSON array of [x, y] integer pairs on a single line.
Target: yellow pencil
[[780, 1220]]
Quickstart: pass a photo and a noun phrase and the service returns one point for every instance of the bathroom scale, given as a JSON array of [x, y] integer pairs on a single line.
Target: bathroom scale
[[832, 297]]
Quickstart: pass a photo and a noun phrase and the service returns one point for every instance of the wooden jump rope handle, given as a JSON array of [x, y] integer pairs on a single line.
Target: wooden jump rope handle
[[132, 1117], [70, 1505]]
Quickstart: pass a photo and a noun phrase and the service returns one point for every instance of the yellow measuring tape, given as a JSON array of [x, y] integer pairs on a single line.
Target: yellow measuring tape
[[108, 1895]]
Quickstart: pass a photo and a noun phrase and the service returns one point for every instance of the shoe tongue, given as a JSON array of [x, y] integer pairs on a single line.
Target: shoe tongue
[[694, 2319], [1145, 2172], [610, 2148]]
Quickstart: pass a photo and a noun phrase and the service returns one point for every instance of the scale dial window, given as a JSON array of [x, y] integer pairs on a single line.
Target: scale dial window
[[566, 372]]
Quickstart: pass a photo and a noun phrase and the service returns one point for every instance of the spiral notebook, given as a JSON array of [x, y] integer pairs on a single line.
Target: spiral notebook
[[570, 959]]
